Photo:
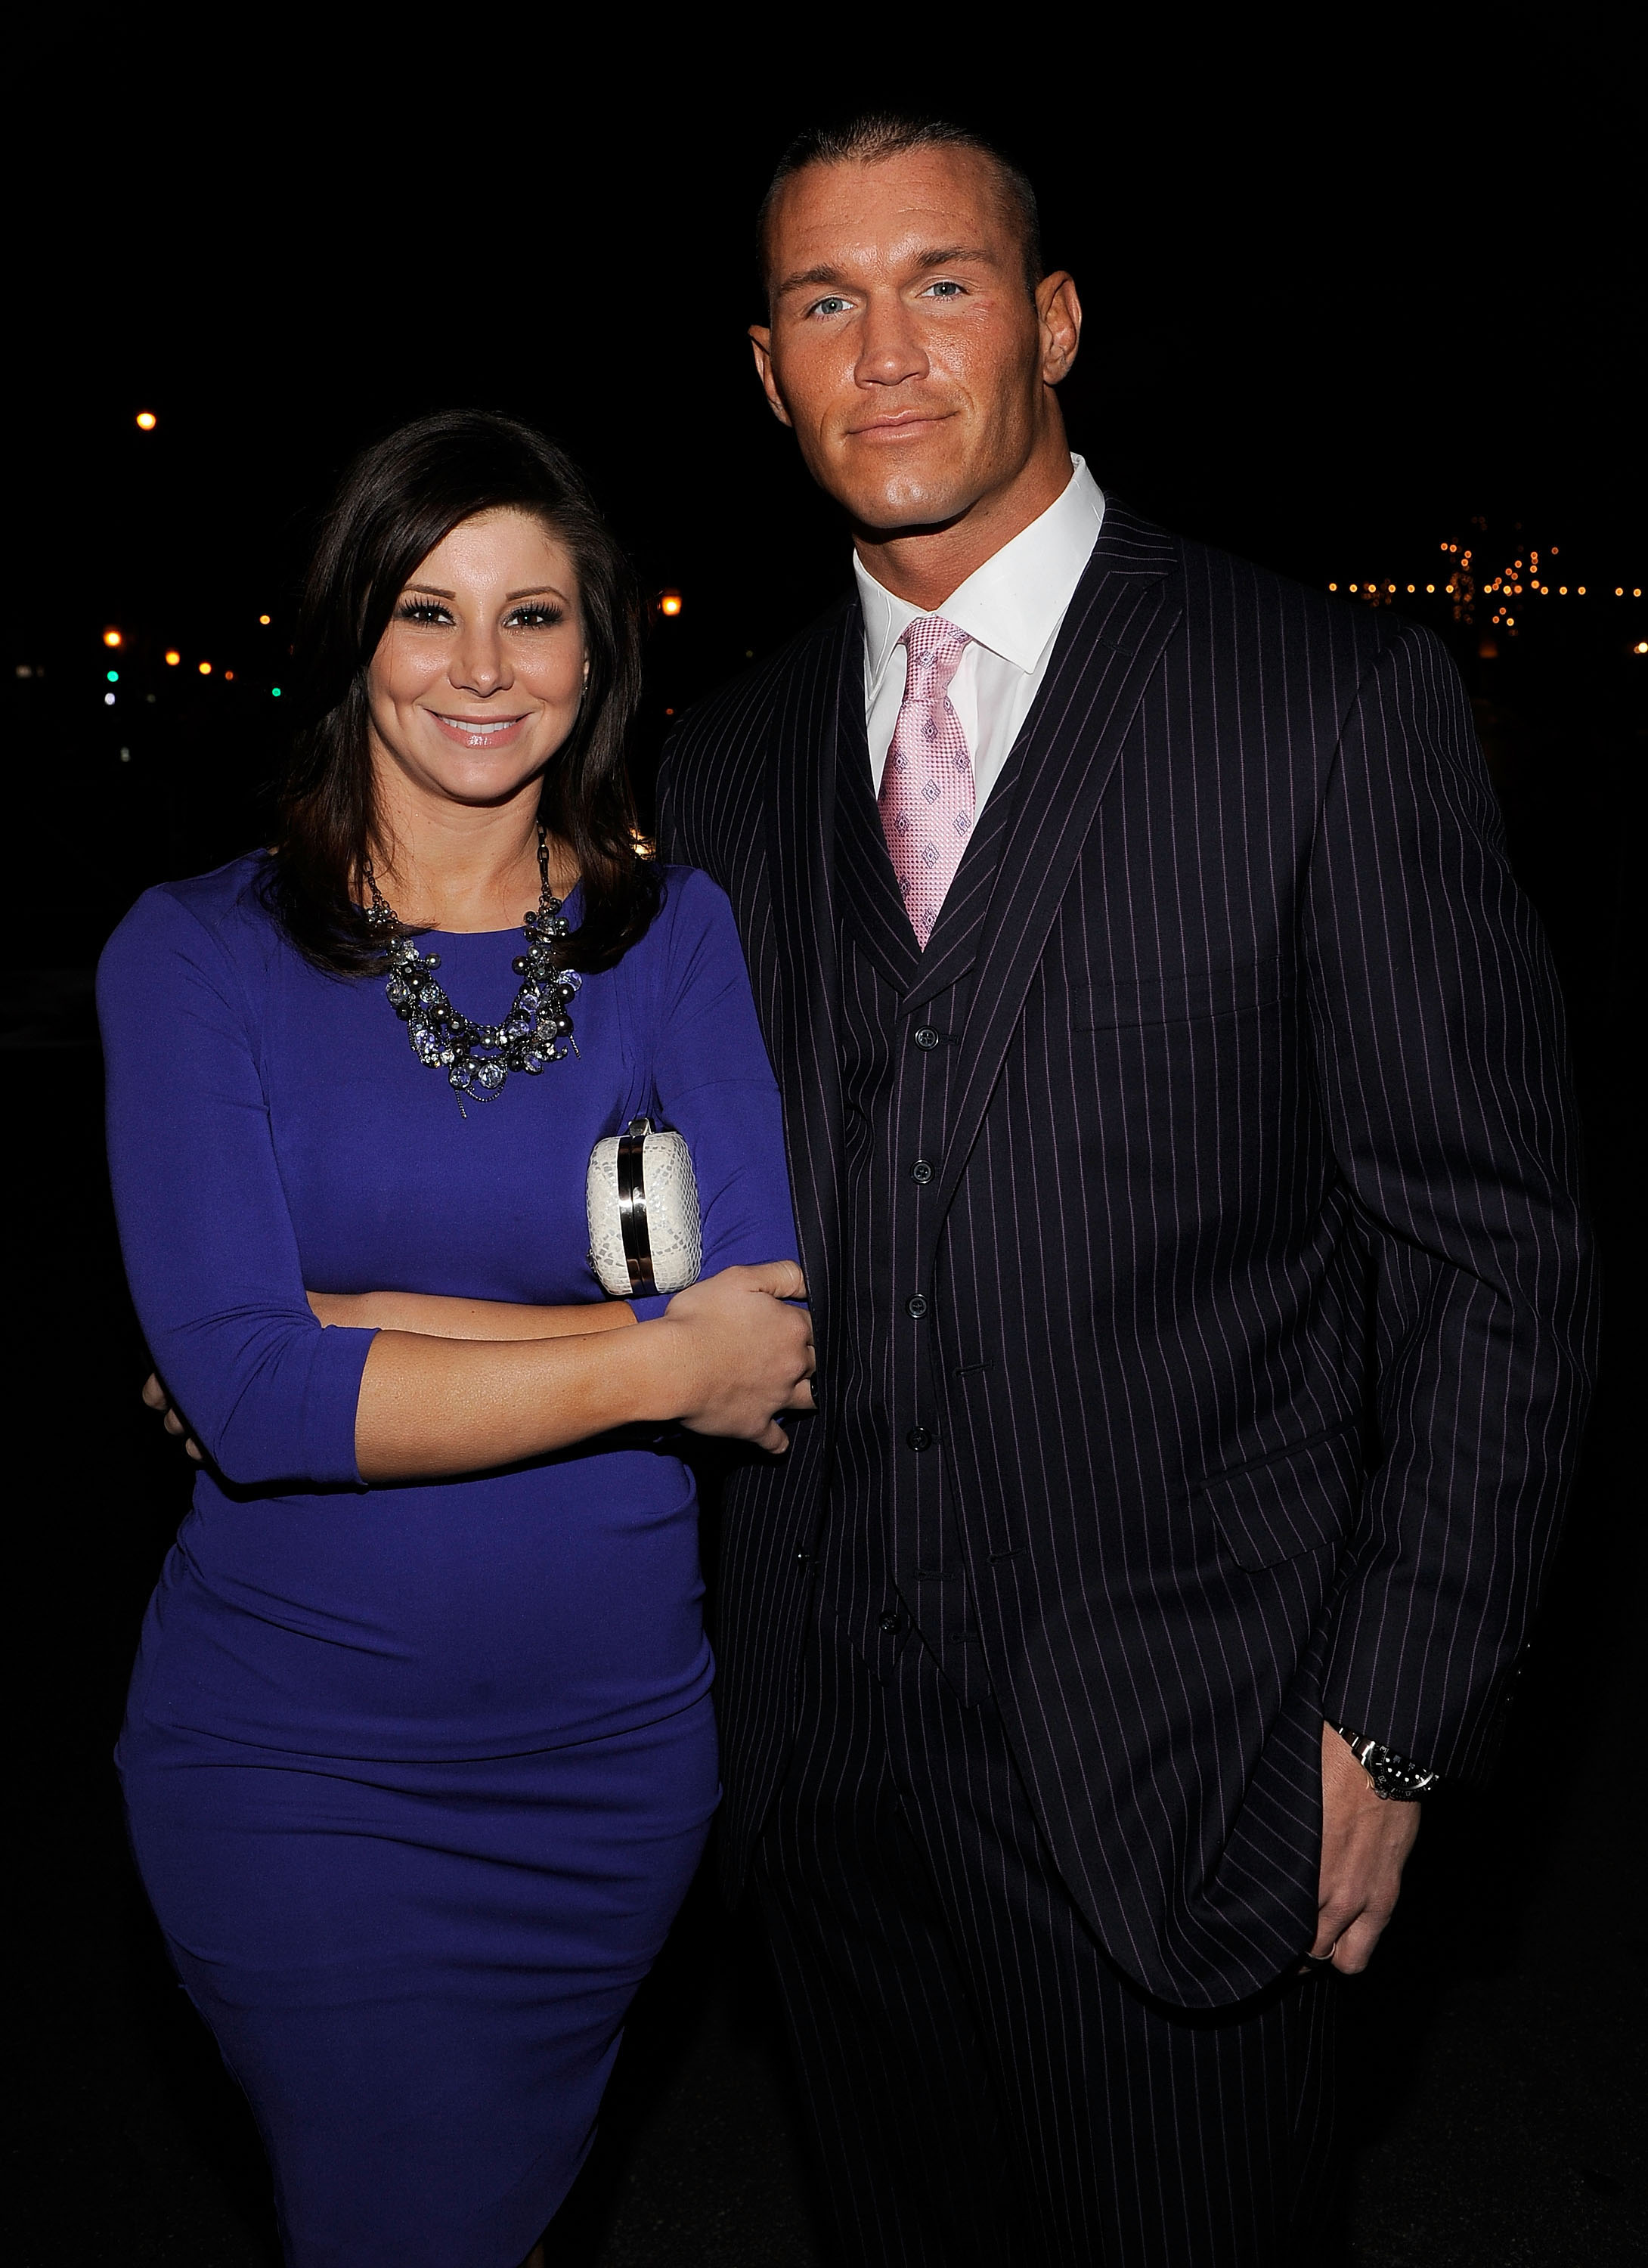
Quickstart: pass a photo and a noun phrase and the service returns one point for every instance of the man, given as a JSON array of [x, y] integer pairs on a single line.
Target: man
[[1185, 1184]]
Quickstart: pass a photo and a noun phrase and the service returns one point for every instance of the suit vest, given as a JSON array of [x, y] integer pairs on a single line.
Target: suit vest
[[891, 1561]]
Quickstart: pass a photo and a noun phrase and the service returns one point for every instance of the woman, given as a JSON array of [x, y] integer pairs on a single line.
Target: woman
[[419, 1757]]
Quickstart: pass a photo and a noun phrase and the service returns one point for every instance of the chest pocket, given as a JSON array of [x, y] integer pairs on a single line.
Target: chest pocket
[[1184, 996]]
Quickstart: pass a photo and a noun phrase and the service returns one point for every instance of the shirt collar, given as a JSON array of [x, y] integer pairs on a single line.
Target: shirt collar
[[1016, 600]]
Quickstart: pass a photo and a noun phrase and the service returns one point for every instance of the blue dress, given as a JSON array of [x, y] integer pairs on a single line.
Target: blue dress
[[417, 1775]]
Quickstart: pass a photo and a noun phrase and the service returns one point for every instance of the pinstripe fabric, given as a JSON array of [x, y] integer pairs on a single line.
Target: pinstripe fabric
[[891, 1555], [980, 2084], [1259, 1297]]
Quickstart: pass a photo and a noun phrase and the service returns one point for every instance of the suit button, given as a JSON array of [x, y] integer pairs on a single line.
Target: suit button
[[919, 1438], [801, 1558], [926, 1037], [915, 1306], [921, 1172], [892, 1625]]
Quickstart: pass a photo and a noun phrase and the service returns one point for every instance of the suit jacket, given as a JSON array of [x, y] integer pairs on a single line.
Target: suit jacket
[[1257, 1260]]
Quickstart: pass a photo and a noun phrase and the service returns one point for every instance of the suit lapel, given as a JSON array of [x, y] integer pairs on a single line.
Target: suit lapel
[[866, 887], [1125, 609], [801, 832]]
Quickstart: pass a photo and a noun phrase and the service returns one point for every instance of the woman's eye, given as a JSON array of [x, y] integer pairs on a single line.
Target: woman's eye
[[537, 618], [424, 611]]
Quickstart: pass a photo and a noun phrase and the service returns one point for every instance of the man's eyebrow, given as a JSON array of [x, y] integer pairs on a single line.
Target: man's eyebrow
[[948, 256], [943, 255], [805, 276]]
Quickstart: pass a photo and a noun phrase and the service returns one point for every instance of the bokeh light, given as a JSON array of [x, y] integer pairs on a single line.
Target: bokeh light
[[147, 421], [173, 657], [111, 637]]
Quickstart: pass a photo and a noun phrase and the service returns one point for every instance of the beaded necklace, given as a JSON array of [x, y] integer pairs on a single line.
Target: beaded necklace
[[477, 1058]]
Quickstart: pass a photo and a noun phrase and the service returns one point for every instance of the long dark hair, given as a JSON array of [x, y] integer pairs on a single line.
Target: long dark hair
[[397, 502]]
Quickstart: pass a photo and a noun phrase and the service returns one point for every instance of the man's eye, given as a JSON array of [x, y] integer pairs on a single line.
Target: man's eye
[[830, 306], [945, 290]]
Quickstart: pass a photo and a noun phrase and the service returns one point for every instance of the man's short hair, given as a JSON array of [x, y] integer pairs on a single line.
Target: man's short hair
[[877, 134]]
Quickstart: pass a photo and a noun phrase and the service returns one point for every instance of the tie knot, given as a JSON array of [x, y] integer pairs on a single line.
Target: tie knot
[[934, 647]]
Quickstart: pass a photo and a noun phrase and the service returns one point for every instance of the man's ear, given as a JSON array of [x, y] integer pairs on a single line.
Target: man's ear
[[760, 340], [1058, 311]]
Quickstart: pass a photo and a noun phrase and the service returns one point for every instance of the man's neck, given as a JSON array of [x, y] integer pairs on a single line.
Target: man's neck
[[924, 565]]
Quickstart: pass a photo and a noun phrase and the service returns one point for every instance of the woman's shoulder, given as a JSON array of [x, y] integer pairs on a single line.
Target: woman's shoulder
[[694, 913], [212, 923]]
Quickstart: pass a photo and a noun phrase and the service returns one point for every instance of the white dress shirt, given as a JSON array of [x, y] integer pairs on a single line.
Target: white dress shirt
[[1011, 608]]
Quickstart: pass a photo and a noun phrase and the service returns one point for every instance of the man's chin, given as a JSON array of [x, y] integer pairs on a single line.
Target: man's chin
[[909, 508]]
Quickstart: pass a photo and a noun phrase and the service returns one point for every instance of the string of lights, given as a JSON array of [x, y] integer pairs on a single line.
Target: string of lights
[[1521, 578]]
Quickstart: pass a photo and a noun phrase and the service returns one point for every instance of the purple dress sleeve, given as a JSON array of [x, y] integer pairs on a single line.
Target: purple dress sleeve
[[205, 1228], [714, 1084]]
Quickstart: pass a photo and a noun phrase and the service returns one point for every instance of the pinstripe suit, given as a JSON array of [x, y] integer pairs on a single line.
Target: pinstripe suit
[[1251, 1317]]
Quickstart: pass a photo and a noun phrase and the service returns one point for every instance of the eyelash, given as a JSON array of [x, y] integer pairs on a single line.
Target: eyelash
[[429, 613], [944, 284]]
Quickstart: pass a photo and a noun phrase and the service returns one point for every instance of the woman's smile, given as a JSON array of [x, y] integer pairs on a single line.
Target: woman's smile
[[481, 732]]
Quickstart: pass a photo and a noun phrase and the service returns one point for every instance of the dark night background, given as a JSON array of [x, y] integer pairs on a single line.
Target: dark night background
[[1356, 287]]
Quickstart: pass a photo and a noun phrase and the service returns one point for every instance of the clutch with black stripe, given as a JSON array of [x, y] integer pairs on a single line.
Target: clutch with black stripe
[[644, 1230]]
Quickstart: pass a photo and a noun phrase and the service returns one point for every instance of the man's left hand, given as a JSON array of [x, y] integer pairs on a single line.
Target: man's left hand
[[1366, 1842]]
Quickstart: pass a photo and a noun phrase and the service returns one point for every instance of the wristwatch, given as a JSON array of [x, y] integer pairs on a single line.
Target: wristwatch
[[1399, 1779]]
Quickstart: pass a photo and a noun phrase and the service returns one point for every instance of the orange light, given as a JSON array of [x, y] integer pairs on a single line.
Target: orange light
[[264, 620], [1410, 587], [228, 677], [1429, 587], [111, 637], [1333, 586], [173, 657], [205, 669], [1641, 646], [146, 421], [1636, 594], [670, 602]]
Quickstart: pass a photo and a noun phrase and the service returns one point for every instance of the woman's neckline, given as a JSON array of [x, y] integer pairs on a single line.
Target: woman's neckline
[[514, 929]]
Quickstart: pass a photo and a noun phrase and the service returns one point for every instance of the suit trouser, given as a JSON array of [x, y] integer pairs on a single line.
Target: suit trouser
[[980, 2083]]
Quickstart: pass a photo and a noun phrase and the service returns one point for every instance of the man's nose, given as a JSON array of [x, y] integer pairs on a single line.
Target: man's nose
[[889, 349]]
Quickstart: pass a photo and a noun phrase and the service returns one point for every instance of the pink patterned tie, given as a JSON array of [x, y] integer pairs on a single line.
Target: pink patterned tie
[[927, 793]]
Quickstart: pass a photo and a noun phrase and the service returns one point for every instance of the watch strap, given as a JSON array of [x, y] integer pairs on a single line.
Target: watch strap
[[1395, 1777]]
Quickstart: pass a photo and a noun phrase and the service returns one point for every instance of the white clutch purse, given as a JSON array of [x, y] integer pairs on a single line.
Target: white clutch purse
[[645, 1231]]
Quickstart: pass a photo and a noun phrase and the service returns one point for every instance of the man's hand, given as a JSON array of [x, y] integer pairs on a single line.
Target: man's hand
[[155, 1397], [1366, 1842]]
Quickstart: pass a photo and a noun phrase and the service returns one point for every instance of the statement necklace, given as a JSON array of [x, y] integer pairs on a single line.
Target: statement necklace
[[477, 1058]]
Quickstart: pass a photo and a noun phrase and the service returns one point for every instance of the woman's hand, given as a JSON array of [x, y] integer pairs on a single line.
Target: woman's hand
[[727, 1355], [742, 1354], [155, 1397]]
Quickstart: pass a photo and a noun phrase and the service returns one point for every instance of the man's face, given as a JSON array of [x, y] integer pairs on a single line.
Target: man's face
[[904, 347]]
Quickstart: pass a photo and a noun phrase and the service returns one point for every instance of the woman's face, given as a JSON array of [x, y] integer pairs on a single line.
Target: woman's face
[[475, 682]]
